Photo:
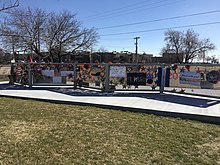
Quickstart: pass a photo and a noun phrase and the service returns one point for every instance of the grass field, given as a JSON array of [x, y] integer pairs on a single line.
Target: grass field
[[33, 132]]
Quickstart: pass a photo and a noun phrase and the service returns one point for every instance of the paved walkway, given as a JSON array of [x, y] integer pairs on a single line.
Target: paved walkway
[[168, 104]]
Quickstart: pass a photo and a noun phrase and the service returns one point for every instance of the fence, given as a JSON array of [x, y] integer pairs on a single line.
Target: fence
[[111, 77]]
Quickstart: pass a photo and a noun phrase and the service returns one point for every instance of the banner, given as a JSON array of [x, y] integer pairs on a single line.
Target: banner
[[192, 78]]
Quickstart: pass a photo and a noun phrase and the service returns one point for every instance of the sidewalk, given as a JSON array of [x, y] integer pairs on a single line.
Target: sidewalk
[[181, 105]]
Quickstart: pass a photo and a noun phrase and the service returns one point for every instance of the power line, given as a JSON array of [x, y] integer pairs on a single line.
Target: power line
[[118, 9], [158, 20], [113, 39], [160, 29], [116, 46], [132, 10]]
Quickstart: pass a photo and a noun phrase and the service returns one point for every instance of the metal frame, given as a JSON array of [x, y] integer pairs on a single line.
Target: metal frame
[[107, 74]]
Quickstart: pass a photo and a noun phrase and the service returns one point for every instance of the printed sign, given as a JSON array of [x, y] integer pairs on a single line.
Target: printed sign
[[117, 71], [192, 78], [136, 78]]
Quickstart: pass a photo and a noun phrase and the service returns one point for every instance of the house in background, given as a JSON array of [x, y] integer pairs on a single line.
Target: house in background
[[169, 58], [121, 57], [105, 57]]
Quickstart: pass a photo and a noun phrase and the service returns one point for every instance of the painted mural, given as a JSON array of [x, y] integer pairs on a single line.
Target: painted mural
[[91, 75], [52, 73], [135, 76], [192, 76], [126, 76]]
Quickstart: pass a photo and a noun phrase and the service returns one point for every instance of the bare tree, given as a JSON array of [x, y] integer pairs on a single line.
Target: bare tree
[[23, 26], [194, 47], [8, 4], [187, 43], [212, 59], [64, 35], [174, 43], [39, 31]]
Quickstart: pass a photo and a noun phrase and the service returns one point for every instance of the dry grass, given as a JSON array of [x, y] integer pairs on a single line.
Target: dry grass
[[42, 133]]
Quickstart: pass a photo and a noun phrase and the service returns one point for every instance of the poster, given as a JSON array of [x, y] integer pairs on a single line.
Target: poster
[[192, 78], [117, 71], [48, 73]]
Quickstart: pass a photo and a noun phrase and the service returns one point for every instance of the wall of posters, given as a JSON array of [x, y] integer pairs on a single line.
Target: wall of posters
[[117, 71], [192, 78]]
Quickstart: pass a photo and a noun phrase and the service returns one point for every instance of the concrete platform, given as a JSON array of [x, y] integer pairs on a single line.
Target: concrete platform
[[196, 107]]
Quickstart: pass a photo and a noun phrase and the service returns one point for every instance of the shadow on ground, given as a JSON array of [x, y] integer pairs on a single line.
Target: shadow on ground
[[8, 86], [184, 99]]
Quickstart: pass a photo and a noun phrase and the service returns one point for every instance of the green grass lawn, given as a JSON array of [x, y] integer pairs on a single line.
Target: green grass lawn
[[33, 132]]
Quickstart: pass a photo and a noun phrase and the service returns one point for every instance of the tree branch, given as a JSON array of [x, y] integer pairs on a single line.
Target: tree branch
[[9, 6]]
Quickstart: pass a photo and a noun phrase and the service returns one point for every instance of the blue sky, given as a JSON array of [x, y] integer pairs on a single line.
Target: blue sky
[[104, 14]]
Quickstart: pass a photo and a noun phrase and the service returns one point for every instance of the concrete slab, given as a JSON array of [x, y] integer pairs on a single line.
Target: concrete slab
[[168, 104]]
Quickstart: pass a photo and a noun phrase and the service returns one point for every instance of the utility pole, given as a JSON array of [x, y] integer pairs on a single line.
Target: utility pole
[[136, 49]]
